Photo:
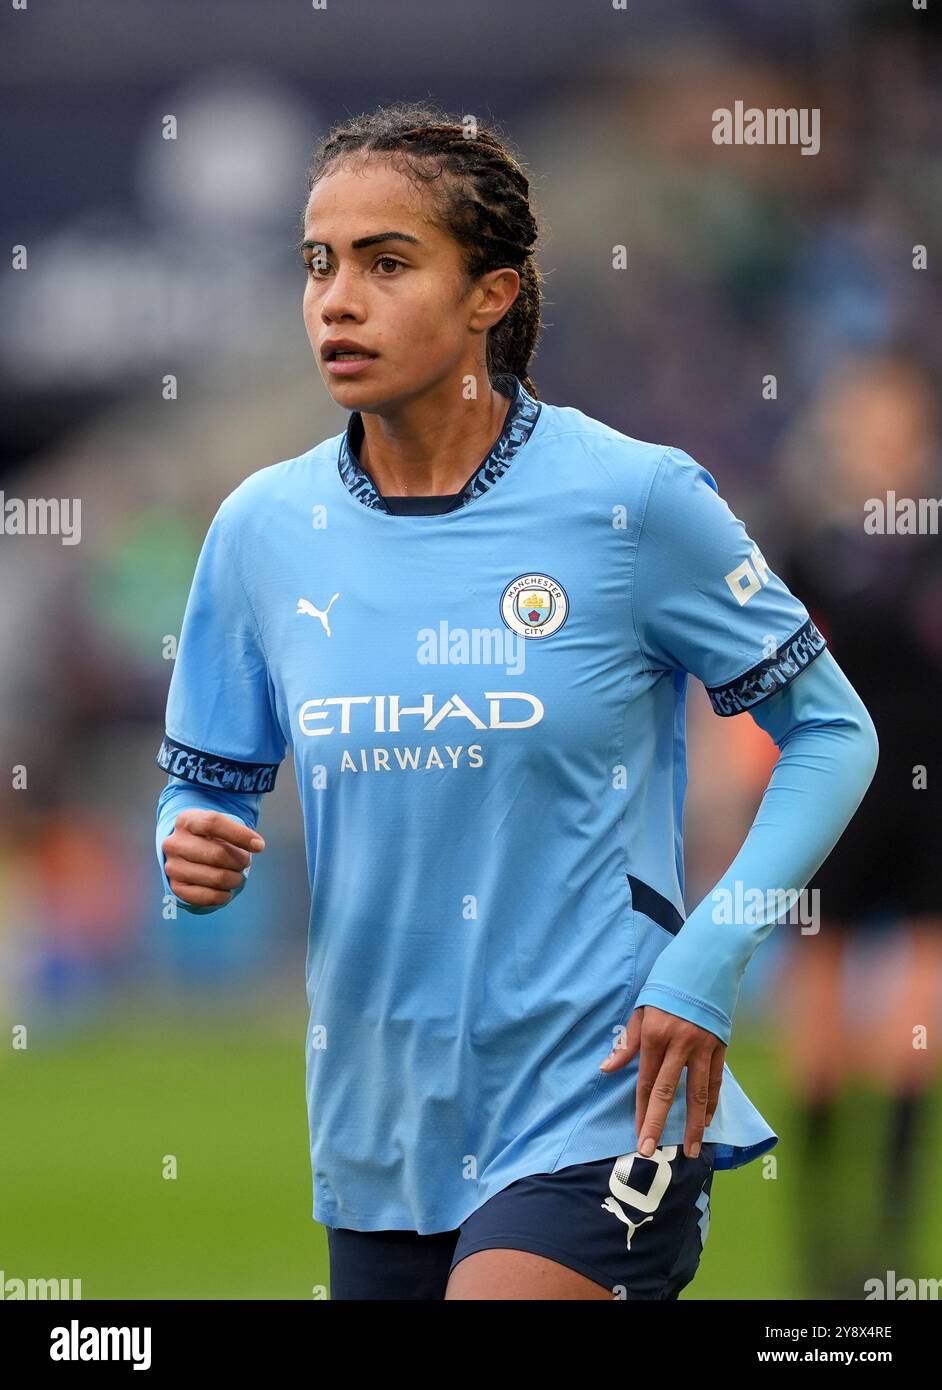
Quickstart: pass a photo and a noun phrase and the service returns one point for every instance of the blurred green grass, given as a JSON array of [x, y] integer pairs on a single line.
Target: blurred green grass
[[88, 1118]]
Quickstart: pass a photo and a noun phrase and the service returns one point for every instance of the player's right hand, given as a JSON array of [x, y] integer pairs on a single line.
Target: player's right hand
[[205, 854]]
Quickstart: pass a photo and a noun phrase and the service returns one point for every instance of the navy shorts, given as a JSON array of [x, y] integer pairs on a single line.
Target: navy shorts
[[635, 1225]]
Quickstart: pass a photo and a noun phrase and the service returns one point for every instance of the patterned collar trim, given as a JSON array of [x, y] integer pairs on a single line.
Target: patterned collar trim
[[518, 426]]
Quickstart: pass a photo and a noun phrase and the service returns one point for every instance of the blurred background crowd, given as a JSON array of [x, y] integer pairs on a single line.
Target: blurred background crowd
[[150, 258]]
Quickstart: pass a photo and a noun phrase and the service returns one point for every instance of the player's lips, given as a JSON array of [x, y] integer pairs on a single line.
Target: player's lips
[[344, 357]]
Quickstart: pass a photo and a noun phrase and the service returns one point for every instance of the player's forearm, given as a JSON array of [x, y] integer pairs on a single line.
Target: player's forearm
[[179, 795], [828, 757]]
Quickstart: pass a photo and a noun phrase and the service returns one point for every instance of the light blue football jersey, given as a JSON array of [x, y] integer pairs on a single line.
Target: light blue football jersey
[[486, 711]]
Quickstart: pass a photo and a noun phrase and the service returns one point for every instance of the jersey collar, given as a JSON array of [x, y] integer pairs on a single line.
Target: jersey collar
[[518, 426]]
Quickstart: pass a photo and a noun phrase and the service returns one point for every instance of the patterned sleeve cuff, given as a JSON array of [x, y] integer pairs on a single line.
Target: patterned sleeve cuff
[[770, 676], [211, 770]]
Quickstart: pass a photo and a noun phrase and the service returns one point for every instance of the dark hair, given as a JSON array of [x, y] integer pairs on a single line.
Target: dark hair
[[483, 202]]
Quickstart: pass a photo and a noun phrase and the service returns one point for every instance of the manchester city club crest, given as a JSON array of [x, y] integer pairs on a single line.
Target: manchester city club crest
[[534, 605]]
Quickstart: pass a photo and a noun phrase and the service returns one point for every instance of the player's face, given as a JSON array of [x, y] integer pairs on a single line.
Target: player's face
[[406, 299]]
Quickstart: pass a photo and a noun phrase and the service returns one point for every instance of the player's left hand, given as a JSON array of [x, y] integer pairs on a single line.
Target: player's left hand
[[668, 1044]]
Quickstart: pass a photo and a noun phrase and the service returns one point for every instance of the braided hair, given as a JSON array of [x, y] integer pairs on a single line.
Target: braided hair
[[483, 202]]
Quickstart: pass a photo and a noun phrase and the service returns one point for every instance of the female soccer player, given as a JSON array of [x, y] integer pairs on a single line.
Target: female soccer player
[[471, 615]]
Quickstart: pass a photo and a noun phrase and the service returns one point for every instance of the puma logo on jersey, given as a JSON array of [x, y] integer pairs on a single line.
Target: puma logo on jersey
[[305, 607]]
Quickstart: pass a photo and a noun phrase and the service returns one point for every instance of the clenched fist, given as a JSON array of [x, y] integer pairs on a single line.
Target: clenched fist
[[205, 854]]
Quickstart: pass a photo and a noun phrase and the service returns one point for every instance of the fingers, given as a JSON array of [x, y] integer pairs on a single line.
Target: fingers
[[200, 849], [653, 1049], [186, 849], [201, 875], [698, 1096], [220, 827], [717, 1063], [657, 1086], [197, 896], [625, 1045], [667, 1045], [206, 854]]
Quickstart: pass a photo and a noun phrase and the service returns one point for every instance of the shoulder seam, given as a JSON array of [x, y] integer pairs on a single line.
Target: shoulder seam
[[612, 436]]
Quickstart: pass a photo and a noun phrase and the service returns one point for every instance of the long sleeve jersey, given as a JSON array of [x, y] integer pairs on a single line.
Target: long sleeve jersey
[[486, 713]]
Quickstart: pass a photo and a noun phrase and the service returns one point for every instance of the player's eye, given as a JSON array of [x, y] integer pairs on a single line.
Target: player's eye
[[317, 268]]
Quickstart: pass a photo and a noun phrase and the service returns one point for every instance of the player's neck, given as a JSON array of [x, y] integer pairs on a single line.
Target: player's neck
[[433, 446]]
